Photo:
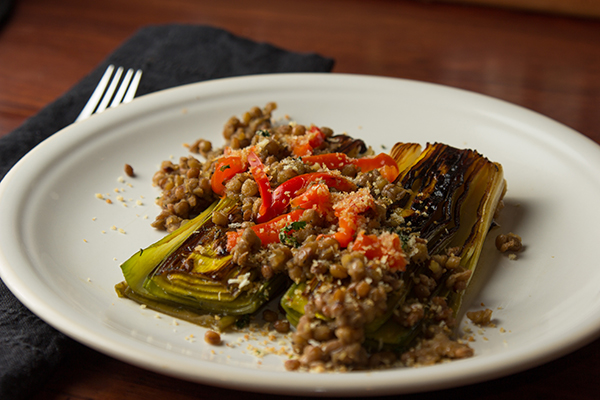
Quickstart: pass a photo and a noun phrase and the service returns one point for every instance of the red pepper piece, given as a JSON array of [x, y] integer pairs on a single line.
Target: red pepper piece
[[348, 223], [317, 197], [304, 145], [267, 232], [225, 169], [348, 211], [386, 165], [329, 160], [258, 170], [291, 188], [386, 248]]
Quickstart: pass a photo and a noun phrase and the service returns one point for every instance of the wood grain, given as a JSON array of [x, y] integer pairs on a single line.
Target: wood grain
[[549, 64], [581, 8]]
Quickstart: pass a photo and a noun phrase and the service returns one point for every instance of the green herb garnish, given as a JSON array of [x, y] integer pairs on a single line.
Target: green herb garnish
[[263, 132], [285, 234], [404, 237], [294, 226]]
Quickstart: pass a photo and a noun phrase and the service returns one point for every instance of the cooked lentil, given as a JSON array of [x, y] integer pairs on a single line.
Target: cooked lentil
[[212, 338], [282, 326], [509, 242], [129, 170], [481, 317]]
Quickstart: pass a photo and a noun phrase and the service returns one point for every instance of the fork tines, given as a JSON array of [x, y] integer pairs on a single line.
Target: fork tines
[[126, 92]]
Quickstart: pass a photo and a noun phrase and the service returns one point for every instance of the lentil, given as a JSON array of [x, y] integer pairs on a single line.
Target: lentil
[[508, 242], [212, 338], [481, 317], [129, 170], [282, 326]]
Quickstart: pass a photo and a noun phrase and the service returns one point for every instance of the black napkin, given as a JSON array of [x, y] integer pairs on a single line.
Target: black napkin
[[169, 55]]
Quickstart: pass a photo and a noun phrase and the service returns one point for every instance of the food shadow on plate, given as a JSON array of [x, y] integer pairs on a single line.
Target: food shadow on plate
[[511, 218]]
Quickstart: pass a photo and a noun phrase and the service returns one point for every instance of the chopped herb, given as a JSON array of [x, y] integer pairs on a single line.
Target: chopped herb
[[294, 226], [383, 146], [224, 167], [404, 237], [263, 132], [287, 239], [285, 234]]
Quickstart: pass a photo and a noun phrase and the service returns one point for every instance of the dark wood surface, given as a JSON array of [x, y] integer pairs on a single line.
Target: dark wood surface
[[547, 63]]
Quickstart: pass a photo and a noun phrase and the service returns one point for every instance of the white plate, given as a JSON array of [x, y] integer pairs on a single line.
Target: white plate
[[56, 259]]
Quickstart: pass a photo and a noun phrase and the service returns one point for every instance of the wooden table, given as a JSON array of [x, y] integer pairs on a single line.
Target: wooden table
[[549, 64]]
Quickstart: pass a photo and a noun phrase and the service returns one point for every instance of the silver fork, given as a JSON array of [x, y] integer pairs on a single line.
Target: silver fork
[[98, 103]]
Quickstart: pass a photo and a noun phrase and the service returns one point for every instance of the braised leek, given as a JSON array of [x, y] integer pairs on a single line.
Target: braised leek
[[189, 274]]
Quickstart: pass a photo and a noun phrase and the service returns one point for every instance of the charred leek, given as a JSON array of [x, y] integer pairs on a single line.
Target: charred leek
[[189, 274]]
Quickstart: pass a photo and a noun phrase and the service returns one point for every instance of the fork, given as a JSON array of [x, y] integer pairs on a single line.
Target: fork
[[98, 103]]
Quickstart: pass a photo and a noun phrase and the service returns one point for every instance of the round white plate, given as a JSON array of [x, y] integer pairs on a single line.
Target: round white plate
[[61, 246]]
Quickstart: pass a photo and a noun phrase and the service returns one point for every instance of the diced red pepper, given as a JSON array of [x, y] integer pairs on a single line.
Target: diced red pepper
[[305, 145], [268, 232], [386, 165], [316, 197], [329, 160], [389, 172], [387, 248], [291, 188], [225, 169], [233, 238], [348, 211]]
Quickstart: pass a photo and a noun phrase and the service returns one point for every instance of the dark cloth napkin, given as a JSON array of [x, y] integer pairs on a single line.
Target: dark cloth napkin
[[169, 55]]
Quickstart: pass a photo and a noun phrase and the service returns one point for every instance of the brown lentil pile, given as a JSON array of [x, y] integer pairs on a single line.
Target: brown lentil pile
[[185, 193], [346, 292]]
